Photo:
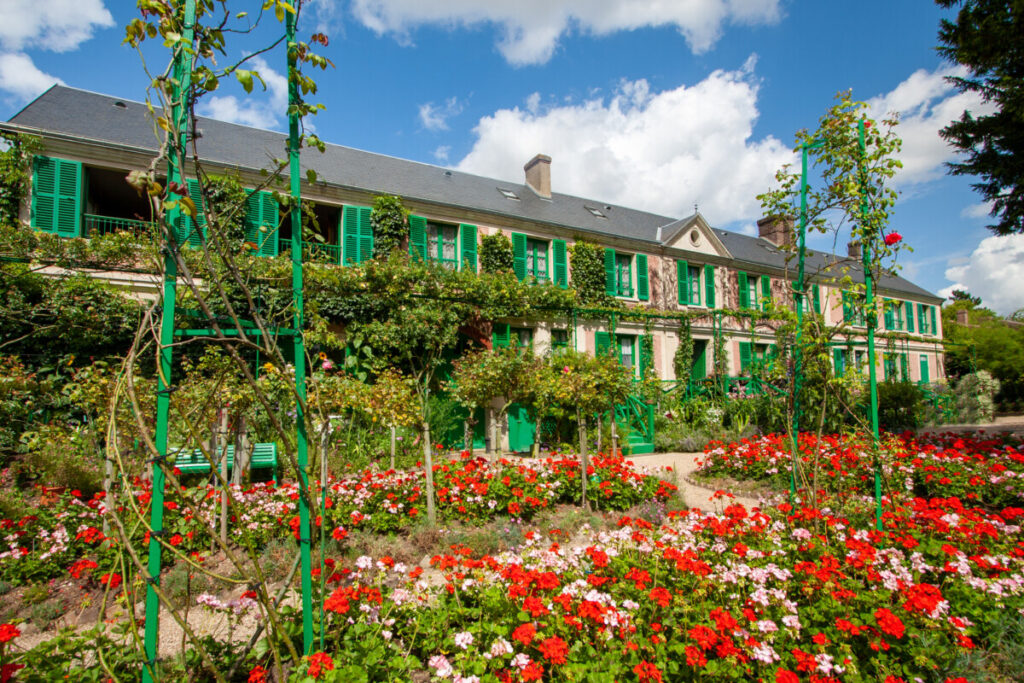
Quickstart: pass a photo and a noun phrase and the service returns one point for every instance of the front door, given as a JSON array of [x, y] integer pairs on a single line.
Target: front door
[[699, 370], [520, 429]]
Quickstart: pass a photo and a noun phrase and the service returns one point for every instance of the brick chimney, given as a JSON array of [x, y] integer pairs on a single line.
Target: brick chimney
[[776, 229], [853, 249], [962, 317], [538, 175]]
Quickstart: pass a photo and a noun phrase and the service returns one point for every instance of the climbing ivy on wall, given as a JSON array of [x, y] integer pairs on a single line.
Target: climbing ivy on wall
[[588, 274], [16, 153], [683, 360], [496, 253], [390, 221]]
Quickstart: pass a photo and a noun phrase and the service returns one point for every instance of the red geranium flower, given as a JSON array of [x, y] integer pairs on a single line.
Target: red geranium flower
[[647, 673], [889, 623], [8, 632], [786, 676], [318, 663], [554, 649], [892, 238], [532, 672], [258, 674], [524, 634]]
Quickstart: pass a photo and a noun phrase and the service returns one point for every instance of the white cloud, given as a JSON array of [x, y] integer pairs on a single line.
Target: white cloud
[[530, 29], [947, 292], [20, 76], [993, 271], [259, 109], [980, 210], [435, 118], [659, 151], [57, 25], [926, 103], [442, 152]]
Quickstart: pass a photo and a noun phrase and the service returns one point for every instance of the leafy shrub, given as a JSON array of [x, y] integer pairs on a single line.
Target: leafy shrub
[[974, 395], [900, 406], [588, 274], [390, 221]]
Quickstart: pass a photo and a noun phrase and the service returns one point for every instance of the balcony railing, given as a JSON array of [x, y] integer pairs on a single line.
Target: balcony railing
[[322, 253], [104, 225]]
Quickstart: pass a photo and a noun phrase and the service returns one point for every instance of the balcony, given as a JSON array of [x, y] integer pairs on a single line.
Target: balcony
[[93, 225]]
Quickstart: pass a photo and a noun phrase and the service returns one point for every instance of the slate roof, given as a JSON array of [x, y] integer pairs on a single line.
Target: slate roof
[[102, 118]]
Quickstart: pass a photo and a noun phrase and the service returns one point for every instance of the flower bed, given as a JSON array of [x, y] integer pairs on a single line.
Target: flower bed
[[55, 538]]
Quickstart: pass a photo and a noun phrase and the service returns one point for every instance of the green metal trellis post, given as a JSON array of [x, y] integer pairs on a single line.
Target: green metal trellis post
[[800, 297], [872, 320], [302, 446], [175, 169]]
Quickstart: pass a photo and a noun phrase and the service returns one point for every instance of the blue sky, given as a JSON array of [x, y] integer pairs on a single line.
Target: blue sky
[[651, 104]]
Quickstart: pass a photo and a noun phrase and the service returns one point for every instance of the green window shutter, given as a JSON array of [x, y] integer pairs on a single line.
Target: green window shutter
[[643, 290], [609, 272], [766, 291], [500, 335], [418, 237], [847, 311], [908, 313], [467, 241], [709, 286], [364, 233], [935, 327], [44, 194], [839, 361], [744, 290], [890, 315], [602, 343], [925, 379], [746, 356], [560, 263], [645, 353], [817, 299], [196, 229], [519, 255], [683, 282], [271, 217], [252, 220], [69, 198], [922, 322], [350, 235], [904, 367]]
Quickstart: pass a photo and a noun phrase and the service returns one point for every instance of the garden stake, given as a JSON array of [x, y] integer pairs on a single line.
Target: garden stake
[[175, 166]]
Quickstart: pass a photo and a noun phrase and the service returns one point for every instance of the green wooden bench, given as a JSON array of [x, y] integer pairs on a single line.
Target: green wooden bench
[[264, 456]]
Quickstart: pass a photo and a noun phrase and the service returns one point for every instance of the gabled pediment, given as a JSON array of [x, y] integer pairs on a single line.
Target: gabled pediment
[[693, 234]]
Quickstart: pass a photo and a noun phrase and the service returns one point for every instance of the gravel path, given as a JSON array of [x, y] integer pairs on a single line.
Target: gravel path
[[693, 494]]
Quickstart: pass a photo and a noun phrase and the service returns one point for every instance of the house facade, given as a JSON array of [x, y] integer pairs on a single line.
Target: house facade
[[90, 142]]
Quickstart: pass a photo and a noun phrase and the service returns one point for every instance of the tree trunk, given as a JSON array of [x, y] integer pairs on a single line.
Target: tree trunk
[[393, 445], [243, 452], [600, 426], [583, 455], [536, 436], [428, 463], [615, 437], [220, 441]]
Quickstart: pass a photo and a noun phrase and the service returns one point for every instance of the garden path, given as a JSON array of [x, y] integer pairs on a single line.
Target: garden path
[[693, 494]]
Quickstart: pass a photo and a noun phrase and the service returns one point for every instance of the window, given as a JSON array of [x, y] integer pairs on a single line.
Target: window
[[754, 355], [441, 243], [694, 285], [627, 352], [618, 275], [505, 335], [748, 289], [537, 259], [853, 309], [624, 275], [559, 340], [522, 337]]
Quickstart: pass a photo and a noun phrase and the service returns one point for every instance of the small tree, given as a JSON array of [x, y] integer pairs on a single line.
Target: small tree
[[483, 376]]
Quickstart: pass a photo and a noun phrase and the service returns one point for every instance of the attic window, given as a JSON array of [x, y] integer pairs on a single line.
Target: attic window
[[508, 194], [596, 212], [120, 105]]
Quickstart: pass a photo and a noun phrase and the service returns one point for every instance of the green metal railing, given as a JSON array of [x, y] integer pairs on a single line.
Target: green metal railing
[[323, 253], [105, 225]]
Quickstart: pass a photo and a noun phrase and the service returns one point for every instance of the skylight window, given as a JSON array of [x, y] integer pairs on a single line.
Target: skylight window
[[508, 194], [596, 212]]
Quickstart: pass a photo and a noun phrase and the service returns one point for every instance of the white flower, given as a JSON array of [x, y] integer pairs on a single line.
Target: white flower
[[464, 639], [364, 562], [440, 662]]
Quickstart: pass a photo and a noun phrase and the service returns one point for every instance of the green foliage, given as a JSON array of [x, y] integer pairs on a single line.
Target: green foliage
[[900, 406], [16, 153], [986, 343], [682, 361], [390, 221], [974, 395], [988, 38], [225, 207], [496, 253], [588, 275]]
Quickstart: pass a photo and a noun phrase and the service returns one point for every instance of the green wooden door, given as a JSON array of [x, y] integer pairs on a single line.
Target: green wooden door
[[520, 429], [700, 362], [924, 370]]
